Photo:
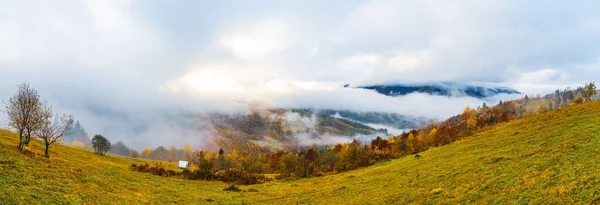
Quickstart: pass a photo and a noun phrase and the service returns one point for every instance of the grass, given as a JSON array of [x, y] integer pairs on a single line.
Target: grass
[[544, 159]]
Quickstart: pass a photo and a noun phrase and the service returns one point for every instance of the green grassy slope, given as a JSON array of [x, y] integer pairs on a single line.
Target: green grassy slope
[[544, 159]]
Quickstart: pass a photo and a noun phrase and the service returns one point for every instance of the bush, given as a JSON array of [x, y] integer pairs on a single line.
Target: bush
[[578, 100], [240, 177], [198, 175], [155, 170]]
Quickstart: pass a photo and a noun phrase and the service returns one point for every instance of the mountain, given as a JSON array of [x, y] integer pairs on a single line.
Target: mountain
[[441, 89], [263, 131], [393, 122], [548, 158], [283, 129]]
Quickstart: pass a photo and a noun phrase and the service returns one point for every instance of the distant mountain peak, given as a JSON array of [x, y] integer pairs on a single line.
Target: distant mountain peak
[[442, 89]]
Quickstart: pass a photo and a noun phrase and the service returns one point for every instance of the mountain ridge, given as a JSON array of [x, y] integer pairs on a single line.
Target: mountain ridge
[[441, 89]]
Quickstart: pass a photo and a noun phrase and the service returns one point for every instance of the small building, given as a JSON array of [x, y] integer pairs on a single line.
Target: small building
[[183, 164]]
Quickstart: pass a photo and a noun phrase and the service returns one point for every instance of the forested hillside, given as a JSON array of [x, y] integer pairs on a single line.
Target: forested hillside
[[553, 155]]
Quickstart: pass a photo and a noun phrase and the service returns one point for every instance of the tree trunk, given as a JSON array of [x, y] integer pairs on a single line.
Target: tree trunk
[[47, 147], [20, 140], [27, 137]]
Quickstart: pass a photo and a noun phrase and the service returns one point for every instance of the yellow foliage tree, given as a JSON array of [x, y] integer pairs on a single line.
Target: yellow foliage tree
[[420, 145], [469, 119], [172, 153], [391, 140], [234, 155], [188, 150], [147, 152], [410, 143], [431, 136]]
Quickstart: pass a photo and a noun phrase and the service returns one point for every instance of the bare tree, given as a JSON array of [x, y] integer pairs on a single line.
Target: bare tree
[[54, 130], [24, 111], [37, 121]]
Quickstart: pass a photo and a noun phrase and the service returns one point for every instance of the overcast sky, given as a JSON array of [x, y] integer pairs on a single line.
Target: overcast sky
[[124, 68]]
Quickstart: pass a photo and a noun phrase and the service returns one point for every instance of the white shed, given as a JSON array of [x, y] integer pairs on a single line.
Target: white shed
[[183, 164]]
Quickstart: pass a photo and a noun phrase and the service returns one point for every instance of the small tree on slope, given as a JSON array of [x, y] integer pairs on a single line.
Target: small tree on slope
[[54, 130], [101, 144], [24, 112]]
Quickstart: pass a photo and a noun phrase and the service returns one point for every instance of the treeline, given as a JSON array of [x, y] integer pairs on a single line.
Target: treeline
[[319, 160]]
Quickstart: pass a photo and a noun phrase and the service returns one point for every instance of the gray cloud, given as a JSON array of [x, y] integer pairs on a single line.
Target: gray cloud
[[131, 69]]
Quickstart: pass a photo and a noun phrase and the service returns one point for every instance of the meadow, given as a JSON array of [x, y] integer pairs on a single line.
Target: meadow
[[550, 158]]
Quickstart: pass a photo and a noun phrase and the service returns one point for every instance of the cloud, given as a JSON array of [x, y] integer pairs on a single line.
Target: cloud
[[130, 69], [258, 40], [90, 34]]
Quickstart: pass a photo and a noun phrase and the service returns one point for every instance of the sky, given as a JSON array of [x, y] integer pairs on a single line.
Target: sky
[[130, 69]]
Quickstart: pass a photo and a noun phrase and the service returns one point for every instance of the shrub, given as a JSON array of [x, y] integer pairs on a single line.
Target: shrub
[[578, 100], [155, 170], [198, 175], [240, 177]]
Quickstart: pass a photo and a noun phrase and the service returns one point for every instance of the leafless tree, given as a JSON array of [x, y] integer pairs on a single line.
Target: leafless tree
[[37, 121], [24, 111], [54, 130]]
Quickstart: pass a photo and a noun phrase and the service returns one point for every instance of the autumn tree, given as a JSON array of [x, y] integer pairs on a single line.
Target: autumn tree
[[589, 91], [469, 119], [53, 130], [272, 161], [135, 154], [172, 154], [25, 112], [328, 159], [188, 152], [308, 163], [421, 146], [410, 145], [287, 165], [431, 137], [379, 143], [205, 165], [146, 152], [101, 144], [234, 159]]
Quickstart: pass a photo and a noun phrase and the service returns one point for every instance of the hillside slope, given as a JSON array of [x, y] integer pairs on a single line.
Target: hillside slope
[[543, 159]]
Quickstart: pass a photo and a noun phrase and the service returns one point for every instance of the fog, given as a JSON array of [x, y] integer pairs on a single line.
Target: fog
[[166, 119], [135, 71]]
